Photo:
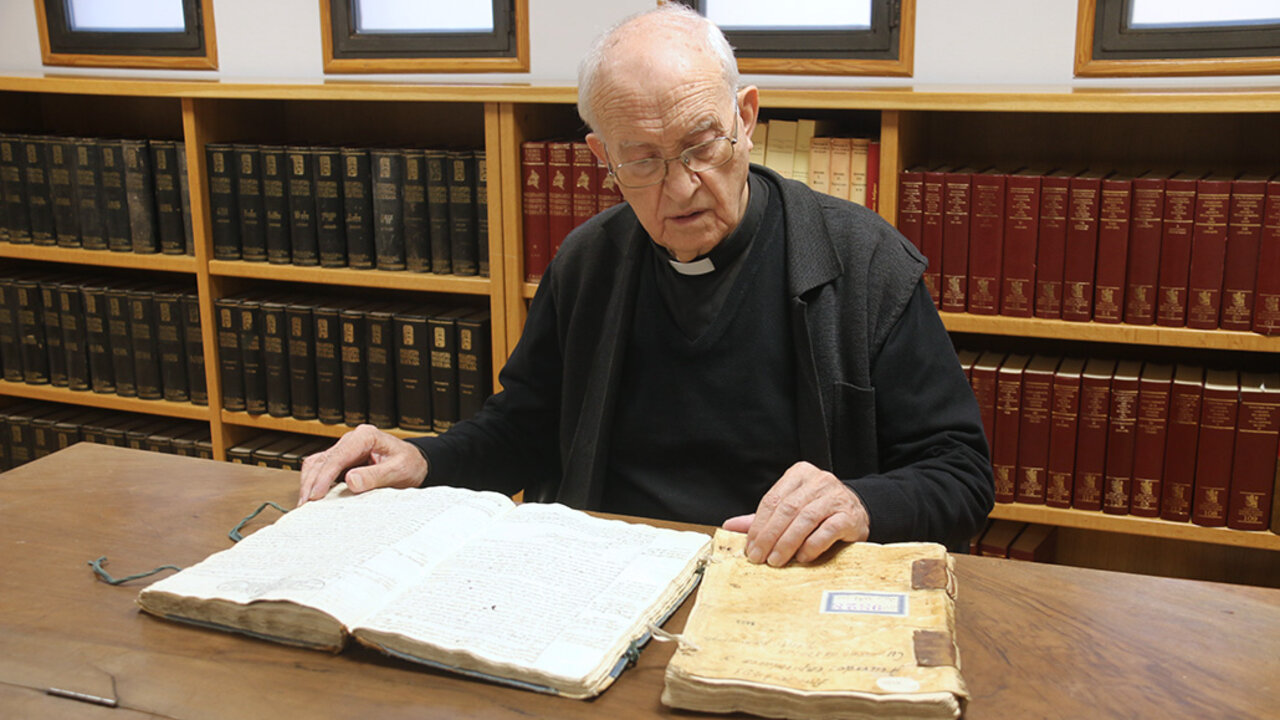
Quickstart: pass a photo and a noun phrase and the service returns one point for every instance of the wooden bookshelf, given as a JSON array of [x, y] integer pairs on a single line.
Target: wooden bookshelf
[[301, 427], [49, 393], [99, 258], [346, 277], [1133, 525]]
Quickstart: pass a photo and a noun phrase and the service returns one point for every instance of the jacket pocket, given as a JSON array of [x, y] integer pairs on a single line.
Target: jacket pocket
[[853, 447]]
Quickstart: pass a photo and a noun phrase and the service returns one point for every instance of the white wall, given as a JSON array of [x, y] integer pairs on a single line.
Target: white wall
[[1000, 42]]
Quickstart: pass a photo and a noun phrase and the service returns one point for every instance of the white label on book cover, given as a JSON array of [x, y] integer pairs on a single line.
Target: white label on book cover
[[898, 684], [864, 602]]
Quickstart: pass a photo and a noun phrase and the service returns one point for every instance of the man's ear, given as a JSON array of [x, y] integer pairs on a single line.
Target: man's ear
[[597, 148], [748, 111]]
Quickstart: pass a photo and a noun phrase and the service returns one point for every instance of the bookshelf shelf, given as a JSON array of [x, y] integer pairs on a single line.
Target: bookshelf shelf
[[1111, 333], [49, 393], [100, 258], [302, 427], [382, 279], [1131, 525]]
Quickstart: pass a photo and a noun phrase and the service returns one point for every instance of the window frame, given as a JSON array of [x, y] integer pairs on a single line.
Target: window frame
[[193, 49], [887, 49], [1105, 48], [506, 49]]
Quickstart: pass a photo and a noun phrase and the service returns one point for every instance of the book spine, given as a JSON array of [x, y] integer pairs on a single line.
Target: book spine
[[534, 210], [438, 212], [1243, 235], [357, 206], [1218, 411], [193, 341], [52, 321], [859, 152], [232, 379], [444, 371], [1051, 245], [1004, 450], [910, 204], [355, 392], [1149, 445], [62, 191], [15, 191], [1062, 439], [1022, 219], [983, 382], [1181, 450], [115, 204], [986, 243], [475, 380], [74, 342], [223, 213], [171, 346], [39, 201], [1208, 253], [1254, 468], [328, 365], [146, 356], [1121, 430], [931, 230], [140, 195], [1033, 435], [331, 240], [250, 203], [184, 199], [1113, 250], [559, 194], [1091, 442], [388, 209], [302, 364], [584, 183], [10, 337], [1266, 314], [304, 248], [30, 326], [1080, 253], [820, 168], [88, 194], [417, 239], [275, 358], [379, 346], [117, 302], [873, 175], [482, 213], [1175, 251], [1147, 219], [609, 193], [170, 231], [839, 168], [462, 212], [275, 205], [252, 368], [413, 374], [955, 241]]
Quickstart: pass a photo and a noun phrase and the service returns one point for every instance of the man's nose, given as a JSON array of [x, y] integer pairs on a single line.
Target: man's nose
[[680, 181]]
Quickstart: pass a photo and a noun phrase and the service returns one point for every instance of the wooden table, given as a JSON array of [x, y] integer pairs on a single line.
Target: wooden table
[[1036, 641]]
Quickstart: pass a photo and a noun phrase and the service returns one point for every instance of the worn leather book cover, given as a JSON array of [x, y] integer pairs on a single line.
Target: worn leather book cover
[[275, 204], [1154, 388], [1004, 447], [1091, 434], [51, 318], [357, 205], [986, 241], [413, 370], [444, 367], [43, 438], [559, 193], [475, 379], [838, 170], [1051, 242], [1079, 258], [417, 238], [932, 217], [608, 193], [93, 297], [331, 235], [1037, 543], [301, 360], [139, 189], [15, 190], [388, 209], [328, 342], [304, 243], [379, 366], [1208, 252], [33, 151], [117, 300], [1145, 228], [910, 203], [957, 203], [437, 189], [1175, 248], [584, 182], [171, 347], [866, 632], [115, 205], [170, 227], [87, 180], [819, 172], [1113, 248], [227, 311], [74, 338], [983, 382], [534, 210], [61, 158], [1253, 473], [1219, 409], [1034, 427], [355, 372], [30, 327], [273, 327], [1021, 226], [1181, 445], [252, 367], [1122, 425], [146, 349], [1244, 231], [10, 337], [223, 214], [1064, 420], [460, 171], [193, 340], [999, 537], [1266, 311], [482, 209]]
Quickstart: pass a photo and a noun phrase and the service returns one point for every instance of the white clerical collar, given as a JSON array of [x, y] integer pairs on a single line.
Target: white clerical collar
[[701, 266]]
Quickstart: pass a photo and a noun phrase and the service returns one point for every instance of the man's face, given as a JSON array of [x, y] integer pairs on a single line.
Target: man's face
[[659, 114]]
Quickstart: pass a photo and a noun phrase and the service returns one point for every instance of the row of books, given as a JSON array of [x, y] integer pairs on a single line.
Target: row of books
[[277, 450], [129, 338], [1177, 442], [386, 208], [1016, 540], [562, 186], [1188, 248], [31, 430], [94, 193], [338, 361], [844, 167]]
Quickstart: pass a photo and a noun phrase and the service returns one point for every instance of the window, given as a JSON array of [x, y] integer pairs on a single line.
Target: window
[[1177, 37], [128, 33], [817, 37], [425, 35]]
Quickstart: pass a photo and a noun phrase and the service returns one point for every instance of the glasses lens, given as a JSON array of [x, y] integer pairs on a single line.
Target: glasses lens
[[708, 155], [640, 173]]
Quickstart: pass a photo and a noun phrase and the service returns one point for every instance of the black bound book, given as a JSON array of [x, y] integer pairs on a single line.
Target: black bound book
[[39, 202], [30, 314], [249, 326], [88, 194], [184, 196], [115, 204], [43, 437], [146, 348], [275, 205], [117, 300], [275, 356], [482, 213], [74, 338], [379, 332], [19, 435], [62, 191], [331, 231], [15, 190], [140, 194], [253, 231], [227, 311], [302, 206], [223, 214], [302, 363], [193, 340], [52, 320], [171, 344], [355, 391], [328, 362], [417, 246], [438, 210], [357, 206], [10, 338], [475, 379], [136, 437], [444, 368], [184, 443], [242, 453], [388, 209], [116, 431], [462, 212], [164, 172], [94, 429], [102, 374]]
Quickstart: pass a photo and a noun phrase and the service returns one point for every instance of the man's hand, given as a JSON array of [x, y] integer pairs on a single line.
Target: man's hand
[[807, 511], [371, 458]]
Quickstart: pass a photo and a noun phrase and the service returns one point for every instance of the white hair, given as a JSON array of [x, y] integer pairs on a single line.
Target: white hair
[[673, 14]]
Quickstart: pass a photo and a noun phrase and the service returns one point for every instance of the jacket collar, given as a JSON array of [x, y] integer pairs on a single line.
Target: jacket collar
[[811, 258]]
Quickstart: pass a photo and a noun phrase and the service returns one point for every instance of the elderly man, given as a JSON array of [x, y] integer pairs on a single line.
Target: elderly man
[[725, 344]]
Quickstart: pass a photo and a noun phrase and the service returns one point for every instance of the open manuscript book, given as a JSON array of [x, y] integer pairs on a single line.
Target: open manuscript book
[[538, 596]]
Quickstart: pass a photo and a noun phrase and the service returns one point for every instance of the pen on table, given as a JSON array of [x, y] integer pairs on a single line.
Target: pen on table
[[82, 697]]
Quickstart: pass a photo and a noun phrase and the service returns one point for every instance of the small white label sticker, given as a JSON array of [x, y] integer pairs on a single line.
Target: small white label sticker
[[897, 684], [864, 602]]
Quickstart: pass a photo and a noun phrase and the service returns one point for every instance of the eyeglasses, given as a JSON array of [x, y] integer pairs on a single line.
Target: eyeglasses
[[698, 158]]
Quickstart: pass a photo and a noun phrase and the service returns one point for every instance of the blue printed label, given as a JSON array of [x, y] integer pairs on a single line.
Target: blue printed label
[[864, 603]]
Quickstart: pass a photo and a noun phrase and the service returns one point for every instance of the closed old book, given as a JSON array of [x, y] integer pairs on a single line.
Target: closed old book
[[1037, 543], [170, 229], [193, 342], [224, 216], [820, 168], [250, 202], [461, 173], [61, 174], [51, 318], [35, 174], [146, 350], [74, 338], [184, 201], [115, 203], [1122, 425], [116, 299], [252, 364], [357, 206], [413, 370], [355, 373], [482, 211], [444, 368], [43, 437], [559, 194], [1266, 312], [388, 208], [1175, 248], [1051, 242], [379, 341], [957, 198], [271, 455], [30, 328], [475, 380], [304, 248], [1208, 252], [136, 437], [1152, 433], [1091, 434], [171, 345], [10, 336], [1021, 226], [417, 239], [873, 175], [302, 363], [184, 444], [583, 180], [1084, 200], [139, 189], [275, 356], [780, 150], [894, 603], [534, 211], [910, 202], [15, 190], [331, 235], [859, 160], [438, 225], [1181, 444], [1146, 222], [932, 219], [275, 204], [1034, 427], [227, 312], [117, 432], [1004, 448], [1253, 475], [292, 459], [242, 453], [88, 195], [610, 193], [327, 339], [983, 382], [986, 241], [1219, 409], [838, 170], [1114, 223], [1244, 231]]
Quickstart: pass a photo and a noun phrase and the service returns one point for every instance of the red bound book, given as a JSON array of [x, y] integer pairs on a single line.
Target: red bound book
[[1081, 251], [559, 192], [931, 232], [1004, 451], [1149, 442], [1180, 446], [584, 183], [1244, 231], [1091, 435], [1021, 223], [1037, 543], [607, 192], [1266, 308], [1121, 429], [1145, 224], [1033, 429], [873, 175], [1218, 411], [911, 204], [957, 200], [986, 241], [537, 231], [983, 382], [1113, 248], [1253, 474], [1208, 252], [1051, 242], [1064, 418], [997, 539], [1175, 248]]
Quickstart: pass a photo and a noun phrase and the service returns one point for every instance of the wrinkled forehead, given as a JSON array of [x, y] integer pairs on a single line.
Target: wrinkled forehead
[[645, 114]]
